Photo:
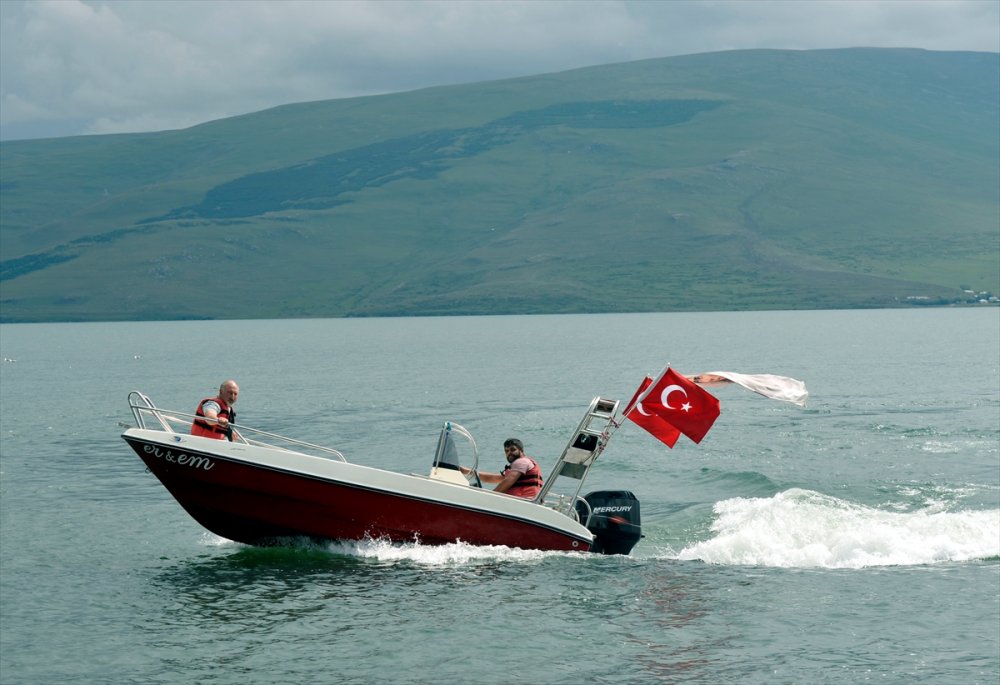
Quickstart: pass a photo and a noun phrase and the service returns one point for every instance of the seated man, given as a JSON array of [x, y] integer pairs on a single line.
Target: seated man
[[522, 476]]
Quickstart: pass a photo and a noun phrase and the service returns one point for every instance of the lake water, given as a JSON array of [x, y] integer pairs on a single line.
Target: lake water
[[855, 540]]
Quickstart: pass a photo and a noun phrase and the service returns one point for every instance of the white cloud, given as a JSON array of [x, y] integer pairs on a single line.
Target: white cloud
[[74, 66]]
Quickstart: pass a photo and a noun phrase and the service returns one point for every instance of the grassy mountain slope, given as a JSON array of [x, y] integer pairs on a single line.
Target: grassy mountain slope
[[751, 179]]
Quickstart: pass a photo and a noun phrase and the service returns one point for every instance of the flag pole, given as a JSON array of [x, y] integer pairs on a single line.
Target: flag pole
[[640, 396], [616, 422]]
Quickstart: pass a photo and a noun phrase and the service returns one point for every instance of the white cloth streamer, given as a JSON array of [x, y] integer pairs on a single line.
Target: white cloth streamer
[[776, 387]]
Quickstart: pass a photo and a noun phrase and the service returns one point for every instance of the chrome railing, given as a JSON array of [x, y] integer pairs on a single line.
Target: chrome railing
[[566, 505], [149, 417]]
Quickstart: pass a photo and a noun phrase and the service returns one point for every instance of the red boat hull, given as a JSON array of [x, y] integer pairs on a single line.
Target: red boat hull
[[259, 504]]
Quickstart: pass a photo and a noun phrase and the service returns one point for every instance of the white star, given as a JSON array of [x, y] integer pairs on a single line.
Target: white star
[[686, 406]]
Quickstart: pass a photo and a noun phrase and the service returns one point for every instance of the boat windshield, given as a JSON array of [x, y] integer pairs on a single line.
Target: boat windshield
[[456, 447]]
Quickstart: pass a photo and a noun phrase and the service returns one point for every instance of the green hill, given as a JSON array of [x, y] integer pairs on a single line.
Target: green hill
[[739, 180]]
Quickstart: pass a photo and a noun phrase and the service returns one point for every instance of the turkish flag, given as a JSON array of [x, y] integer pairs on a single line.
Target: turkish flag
[[657, 427], [681, 403]]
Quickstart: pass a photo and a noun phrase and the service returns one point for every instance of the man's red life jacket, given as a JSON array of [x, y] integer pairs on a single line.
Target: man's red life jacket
[[213, 430], [529, 484]]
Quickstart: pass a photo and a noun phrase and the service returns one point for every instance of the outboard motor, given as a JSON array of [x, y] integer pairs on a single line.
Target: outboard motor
[[614, 520]]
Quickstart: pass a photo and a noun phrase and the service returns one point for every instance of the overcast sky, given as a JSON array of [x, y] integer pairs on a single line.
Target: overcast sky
[[70, 67]]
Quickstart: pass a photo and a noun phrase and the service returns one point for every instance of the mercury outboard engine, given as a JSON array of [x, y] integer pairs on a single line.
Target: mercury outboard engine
[[614, 520]]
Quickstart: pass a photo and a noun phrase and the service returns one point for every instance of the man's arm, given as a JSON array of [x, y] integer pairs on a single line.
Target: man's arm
[[212, 416], [484, 476], [507, 482]]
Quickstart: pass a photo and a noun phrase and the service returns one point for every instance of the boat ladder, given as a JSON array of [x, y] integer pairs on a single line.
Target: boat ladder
[[584, 446]]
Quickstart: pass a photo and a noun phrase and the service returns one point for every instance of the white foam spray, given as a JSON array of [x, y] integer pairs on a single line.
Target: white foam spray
[[457, 553], [801, 528]]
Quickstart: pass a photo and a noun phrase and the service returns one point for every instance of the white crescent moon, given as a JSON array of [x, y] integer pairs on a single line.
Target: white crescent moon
[[665, 395], [638, 406]]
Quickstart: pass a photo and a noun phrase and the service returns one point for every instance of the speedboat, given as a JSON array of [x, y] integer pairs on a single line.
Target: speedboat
[[264, 489]]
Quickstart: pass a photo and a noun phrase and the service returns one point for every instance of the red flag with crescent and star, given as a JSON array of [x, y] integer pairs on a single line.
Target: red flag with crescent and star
[[656, 426], [678, 401]]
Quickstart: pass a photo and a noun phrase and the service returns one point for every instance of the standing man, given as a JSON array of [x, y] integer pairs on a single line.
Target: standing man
[[522, 477], [215, 415]]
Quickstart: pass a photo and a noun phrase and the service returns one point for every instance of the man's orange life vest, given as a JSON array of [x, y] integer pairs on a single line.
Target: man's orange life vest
[[529, 484], [213, 430]]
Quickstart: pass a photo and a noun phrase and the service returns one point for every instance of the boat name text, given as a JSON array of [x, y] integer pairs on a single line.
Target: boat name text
[[182, 458]]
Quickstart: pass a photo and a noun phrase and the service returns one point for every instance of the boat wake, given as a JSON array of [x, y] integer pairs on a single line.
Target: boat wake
[[456, 553], [793, 529], [383, 550], [802, 528]]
